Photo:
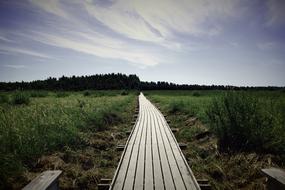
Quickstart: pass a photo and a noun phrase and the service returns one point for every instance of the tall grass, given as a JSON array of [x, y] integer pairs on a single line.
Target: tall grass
[[246, 122], [20, 98], [242, 121], [4, 98], [51, 123], [38, 93]]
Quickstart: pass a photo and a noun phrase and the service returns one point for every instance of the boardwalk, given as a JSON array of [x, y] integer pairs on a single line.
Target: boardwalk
[[152, 158]]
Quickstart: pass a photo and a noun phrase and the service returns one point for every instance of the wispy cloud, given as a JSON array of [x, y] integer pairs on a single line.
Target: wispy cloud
[[183, 35], [15, 66], [159, 20], [2, 38], [50, 6], [16, 51], [100, 46]]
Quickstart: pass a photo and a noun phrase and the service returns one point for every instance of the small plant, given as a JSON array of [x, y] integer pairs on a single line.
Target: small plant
[[20, 98]]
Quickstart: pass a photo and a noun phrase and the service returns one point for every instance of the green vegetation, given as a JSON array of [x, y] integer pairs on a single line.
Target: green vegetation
[[38, 93], [62, 94], [87, 93], [124, 93], [247, 122], [46, 124], [242, 120], [20, 98], [231, 135], [4, 98], [186, 102]]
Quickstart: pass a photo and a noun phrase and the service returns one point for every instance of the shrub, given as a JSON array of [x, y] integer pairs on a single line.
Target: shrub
[[20, 98], [4, 98], [243, 123]]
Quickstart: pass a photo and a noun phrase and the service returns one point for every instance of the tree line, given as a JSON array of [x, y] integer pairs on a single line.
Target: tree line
[[112, 82]]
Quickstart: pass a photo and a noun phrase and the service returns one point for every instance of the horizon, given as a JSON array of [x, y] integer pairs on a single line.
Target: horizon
[[220, 42], [225, 85]]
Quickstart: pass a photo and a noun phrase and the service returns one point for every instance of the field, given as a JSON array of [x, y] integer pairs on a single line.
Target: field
[[73, 131], [230, 135]]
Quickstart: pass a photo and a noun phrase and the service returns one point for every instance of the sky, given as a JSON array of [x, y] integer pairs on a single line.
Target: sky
[[222, 42]]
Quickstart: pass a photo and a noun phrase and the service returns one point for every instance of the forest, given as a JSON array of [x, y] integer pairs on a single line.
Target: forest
[[114, 81]]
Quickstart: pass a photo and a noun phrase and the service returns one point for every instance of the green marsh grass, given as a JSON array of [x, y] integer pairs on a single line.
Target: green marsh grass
[[242, 120], [255, 119], [248, 122], [49, 123], [20, 97]]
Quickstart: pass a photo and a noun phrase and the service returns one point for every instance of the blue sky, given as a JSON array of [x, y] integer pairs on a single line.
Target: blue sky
[[235, 42]]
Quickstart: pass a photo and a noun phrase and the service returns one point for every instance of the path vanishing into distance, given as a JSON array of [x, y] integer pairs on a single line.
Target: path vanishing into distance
[[152, 158]]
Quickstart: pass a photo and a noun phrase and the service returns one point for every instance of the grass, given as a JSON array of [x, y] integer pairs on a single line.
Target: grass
[[247, 122], [42, 125], [20, 98], [4, 98], [38, 93], [246, 133]]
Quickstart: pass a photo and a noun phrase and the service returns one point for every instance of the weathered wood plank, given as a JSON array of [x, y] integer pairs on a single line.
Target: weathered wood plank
[[157, 168], [276, 178], [152, 158], [131, 172], [139, 177], [177, 178], [125, 159], [186, 173], [167, 173], [46, 180], [149, 175]]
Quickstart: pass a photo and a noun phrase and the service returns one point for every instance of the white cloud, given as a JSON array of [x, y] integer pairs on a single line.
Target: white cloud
[[15, 66], [158, 20], [2, 38], [16, 50], [101, 46], [50, 6], [142, 23], [276, 12]]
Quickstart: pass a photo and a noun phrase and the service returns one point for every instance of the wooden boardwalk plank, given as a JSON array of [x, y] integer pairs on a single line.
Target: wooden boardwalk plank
[[157, 168], [152, 158], [149, 173], [166, 170], [177, 177], [129, 181], [140, 169], [124, 163]]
